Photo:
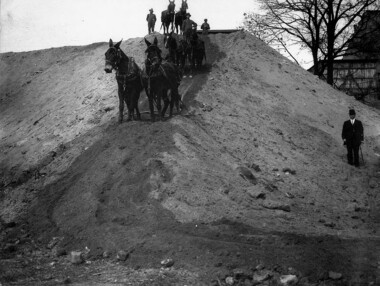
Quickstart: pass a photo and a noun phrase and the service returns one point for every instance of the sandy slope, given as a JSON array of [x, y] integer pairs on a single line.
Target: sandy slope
[[255, 162]]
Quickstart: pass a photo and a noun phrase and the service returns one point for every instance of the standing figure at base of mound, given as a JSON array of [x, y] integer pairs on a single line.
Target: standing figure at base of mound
[[353, 136]]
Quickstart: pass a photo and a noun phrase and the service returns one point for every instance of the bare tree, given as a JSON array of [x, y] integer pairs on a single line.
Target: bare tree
[[323, 27]]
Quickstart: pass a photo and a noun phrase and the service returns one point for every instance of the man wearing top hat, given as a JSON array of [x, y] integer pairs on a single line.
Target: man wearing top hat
[[151, 18], [353, 136]]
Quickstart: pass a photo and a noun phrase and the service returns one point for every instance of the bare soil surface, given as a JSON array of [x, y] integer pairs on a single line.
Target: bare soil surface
[[248, 183]]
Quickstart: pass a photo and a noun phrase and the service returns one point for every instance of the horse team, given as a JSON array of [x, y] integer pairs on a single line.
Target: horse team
[[160, 78], [174, 19]]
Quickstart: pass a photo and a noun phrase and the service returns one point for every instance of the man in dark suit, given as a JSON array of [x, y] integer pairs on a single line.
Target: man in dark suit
[[353, 136]]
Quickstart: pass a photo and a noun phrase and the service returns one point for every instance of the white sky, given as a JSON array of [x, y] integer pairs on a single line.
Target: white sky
[[39, 24]]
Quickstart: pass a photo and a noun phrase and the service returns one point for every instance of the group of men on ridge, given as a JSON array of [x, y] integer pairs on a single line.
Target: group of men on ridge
[[187, 25]]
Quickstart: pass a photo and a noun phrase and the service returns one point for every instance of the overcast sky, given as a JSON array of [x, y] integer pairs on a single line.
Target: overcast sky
[[39, 24]]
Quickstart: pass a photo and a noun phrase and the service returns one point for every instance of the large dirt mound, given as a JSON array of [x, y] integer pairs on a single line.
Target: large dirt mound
[[255, 159]]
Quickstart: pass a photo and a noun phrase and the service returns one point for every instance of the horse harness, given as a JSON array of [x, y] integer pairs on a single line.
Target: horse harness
[[131, 75], [152, 73]]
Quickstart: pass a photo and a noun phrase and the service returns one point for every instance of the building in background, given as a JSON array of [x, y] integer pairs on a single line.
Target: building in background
[[358, 72]]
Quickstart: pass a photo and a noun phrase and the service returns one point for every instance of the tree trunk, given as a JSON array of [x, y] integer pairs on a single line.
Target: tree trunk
[[330, 43], [316, 62]]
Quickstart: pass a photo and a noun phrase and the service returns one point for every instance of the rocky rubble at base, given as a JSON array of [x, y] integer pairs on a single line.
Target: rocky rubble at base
[[53, 266]]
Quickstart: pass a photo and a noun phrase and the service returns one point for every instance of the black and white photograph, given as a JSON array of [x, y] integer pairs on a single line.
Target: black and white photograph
[[190, 142]]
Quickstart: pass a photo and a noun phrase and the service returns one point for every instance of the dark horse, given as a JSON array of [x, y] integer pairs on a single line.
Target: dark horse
[[128, 79], [198, 50], [179, 17], [171, 44], [167, 18], [161, 80], [184, 54]]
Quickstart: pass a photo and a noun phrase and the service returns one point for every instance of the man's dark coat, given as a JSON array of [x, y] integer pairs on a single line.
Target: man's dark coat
[[353, 136], [353, 133]]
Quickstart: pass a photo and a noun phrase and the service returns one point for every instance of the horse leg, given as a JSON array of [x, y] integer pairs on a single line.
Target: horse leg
[[151, 106], [158, 103], [176, 99], [127, 100], [173, 98], [190, 65], [121, 105], [136, 104], [183, 65], [166, 94]]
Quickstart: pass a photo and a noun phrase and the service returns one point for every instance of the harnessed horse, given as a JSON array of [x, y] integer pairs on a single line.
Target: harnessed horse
[[167, 18], [161, 80], [198, 50], [128, 79], [171, 44], [178, 19], [184, 53], [180, 16]]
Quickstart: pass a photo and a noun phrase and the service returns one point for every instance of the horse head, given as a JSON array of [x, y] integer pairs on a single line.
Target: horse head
[[169, 40], [113, 56], [171, 7], [153, 52]]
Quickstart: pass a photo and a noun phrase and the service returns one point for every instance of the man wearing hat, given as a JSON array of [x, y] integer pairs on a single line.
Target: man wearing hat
[[205, 27], [187, 27], [151, 18], [353, 136]]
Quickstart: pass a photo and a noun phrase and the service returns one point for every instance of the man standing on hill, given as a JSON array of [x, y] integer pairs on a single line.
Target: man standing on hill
[[205, 27], [353, 136], [151, 18], [188, 26]]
